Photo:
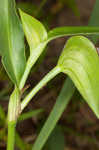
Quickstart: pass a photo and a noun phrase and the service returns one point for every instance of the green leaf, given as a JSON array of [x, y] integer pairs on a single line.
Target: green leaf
[[61, 104], [11, 41], [34, 30], [36, 36], [94, 19], [67, 31], [29, 114], [95, 15], [56, 140], [80, 61]]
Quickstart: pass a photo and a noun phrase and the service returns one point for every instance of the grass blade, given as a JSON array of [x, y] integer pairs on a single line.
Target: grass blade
[[61, 103], [29, 114], [56, 140], [94, 20]]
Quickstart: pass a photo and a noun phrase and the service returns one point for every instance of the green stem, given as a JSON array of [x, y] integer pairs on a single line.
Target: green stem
[[11, 135], [43, 82], [26, 73], [13, 113], [31, 61]]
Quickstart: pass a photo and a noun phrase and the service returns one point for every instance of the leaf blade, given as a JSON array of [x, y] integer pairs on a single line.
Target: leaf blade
[[62, 102], [11, 41], [67, 31], [56, 141], [36, 36], [30, 114], [94, 21], [34, 30], [80, 61]]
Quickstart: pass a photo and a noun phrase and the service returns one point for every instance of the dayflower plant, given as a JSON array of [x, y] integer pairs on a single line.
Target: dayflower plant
[[79, 60]]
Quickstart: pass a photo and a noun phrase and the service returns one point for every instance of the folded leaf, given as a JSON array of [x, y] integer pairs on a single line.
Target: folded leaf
[[11, 41], [36, 36], [80, 61], [34, 30]]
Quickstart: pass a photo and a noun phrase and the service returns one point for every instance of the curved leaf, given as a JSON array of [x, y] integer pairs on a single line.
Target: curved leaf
[[11, 41], [67, 31], [80, 61], [34, 30], [36, 36]]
